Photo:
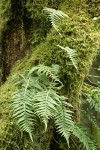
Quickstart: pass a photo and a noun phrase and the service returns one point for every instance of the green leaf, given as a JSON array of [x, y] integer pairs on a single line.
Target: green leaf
[[83, 135], [55, 16], [63, 121], [72, 55]]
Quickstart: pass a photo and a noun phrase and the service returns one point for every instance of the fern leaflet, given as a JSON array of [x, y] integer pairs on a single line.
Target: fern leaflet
[[22, 109], [63, 121], [54, 16], [71, 53], [83, 136]]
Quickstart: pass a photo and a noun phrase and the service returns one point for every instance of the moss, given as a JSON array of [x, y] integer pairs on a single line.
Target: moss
[[93, 7], [23, 24]]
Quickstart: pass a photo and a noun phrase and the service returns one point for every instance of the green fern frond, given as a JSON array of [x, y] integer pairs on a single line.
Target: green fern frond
[[36, 96], [48, 71], [71, 53], [45, 105], [95, 127], [54, 16], [22, 110], [63, 121], [83, 135], [94, 99]]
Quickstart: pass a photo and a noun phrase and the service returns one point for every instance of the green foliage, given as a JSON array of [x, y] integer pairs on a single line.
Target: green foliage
[[55, 16], [93, 98], [83, 136], [93, 7], [95, 128], [72, 55], [62, 121], [5, 6], [37, 96]]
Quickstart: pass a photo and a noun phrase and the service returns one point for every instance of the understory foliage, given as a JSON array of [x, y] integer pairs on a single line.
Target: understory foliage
[[55, 16], [38, 97], [91, 103]]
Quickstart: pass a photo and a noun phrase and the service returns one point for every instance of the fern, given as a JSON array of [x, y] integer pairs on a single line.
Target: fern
[[63, 121], [45, 105], [38, 97], [71, 53], [22, 109], [93, 98], [48, 71], [83, 136], [95, 128], [54, 16]]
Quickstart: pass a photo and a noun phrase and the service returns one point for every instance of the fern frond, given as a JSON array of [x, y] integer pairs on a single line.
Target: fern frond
[[22, 110], [94, 99], [95, 127], [36, 96], [63, 121], [54, 16], [45, 103], [83, 135], [48, 71], [71, 53]]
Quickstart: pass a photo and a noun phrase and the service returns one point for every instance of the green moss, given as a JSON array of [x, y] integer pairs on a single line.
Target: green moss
[[5, 6], [93, 7]]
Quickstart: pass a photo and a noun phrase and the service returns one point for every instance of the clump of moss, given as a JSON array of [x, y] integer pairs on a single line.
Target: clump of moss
[[5, 6], [93, 7]]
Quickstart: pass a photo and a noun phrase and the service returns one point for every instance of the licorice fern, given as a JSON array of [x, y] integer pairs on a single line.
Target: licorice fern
[[55, 16], [83, 135], [71, 53], [94, 99], [62, 122], [22, 108], [38, 97], [95, 128], [92, 96]]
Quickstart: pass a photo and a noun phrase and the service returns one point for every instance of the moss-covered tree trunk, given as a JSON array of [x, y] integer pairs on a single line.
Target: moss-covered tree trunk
[[23, 32]]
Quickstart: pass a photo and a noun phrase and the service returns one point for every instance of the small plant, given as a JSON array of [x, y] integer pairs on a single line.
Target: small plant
[[72, 54], [55, 16], [91, 101]]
